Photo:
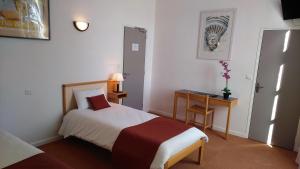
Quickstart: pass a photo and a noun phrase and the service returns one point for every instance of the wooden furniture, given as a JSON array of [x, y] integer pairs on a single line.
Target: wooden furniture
[[115, 97], [213, 101], [200, 107], [69, 103]]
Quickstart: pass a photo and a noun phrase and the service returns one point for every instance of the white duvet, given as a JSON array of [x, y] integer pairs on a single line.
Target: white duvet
[[103, 127], [13, 149]]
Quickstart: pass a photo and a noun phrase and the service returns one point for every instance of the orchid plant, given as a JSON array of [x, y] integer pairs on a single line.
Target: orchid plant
[[226, 75]]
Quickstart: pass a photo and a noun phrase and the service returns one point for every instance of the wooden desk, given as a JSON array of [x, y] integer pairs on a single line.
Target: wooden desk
[[213, 101]]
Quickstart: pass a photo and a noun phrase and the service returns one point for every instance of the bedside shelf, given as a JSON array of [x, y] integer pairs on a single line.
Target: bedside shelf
[[115, 97]]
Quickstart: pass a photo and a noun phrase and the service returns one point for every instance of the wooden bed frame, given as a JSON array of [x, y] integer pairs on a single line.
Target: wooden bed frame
[[69, 103]]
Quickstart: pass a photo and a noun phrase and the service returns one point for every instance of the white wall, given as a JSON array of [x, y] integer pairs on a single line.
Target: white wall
[[175, 65], [70, 56]]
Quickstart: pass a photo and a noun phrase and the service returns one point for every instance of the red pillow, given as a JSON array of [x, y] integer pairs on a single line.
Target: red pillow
[[98, 102]]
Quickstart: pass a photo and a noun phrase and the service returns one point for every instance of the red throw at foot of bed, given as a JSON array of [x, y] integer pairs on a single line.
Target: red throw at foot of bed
[[136, 146]]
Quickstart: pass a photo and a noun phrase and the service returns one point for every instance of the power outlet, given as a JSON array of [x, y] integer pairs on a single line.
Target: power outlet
[[27, 92]]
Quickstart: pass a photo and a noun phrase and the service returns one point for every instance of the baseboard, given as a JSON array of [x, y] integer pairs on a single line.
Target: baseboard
[[160, 113], [232, 132], [46, 141], [215, 127]]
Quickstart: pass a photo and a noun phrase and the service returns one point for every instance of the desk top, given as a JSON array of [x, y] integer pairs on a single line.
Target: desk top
[[213, 96]]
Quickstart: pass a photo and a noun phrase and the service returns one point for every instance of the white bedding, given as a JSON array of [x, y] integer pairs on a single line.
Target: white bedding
[[102, 128], [13, 149]]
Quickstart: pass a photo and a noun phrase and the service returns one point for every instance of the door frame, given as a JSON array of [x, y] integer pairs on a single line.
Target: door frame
[[146, 50], [255, 73]]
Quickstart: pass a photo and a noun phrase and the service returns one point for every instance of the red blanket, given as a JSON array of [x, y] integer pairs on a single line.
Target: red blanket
[[39, 161], [136, 146]]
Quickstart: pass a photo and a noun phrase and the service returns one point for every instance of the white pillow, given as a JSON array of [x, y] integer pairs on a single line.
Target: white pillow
[[81, 97]]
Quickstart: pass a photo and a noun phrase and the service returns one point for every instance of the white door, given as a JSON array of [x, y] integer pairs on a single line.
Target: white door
[[134, 66], [275, 113]]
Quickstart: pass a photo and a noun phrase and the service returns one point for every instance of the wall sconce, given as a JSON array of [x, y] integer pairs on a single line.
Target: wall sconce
[[81, 26]]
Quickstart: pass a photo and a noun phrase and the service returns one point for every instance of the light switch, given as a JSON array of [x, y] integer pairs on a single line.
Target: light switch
[[248, 77], [296, 22]]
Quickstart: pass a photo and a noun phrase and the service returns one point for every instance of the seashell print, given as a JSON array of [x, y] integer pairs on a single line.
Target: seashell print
[[215, 29]]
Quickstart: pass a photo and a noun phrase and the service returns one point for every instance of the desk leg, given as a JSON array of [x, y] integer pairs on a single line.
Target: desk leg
[[228, 121], [175, 107]]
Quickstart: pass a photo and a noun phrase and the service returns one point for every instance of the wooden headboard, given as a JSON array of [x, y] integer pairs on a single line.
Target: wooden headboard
[[69, 101]]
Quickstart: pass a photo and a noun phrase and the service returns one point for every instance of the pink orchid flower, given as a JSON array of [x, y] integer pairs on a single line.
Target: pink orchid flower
[[226, 74]]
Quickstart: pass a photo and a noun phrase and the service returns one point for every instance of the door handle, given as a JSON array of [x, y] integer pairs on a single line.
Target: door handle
[[125, 75], [258, 87]]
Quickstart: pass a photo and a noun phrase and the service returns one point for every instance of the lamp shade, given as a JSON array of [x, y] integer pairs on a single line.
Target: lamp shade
[[117, 77]]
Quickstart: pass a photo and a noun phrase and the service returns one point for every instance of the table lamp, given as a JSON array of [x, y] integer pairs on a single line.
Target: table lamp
[[119, 78]]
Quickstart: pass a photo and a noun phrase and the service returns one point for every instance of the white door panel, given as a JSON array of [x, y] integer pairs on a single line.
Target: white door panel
[[275, 116], [134, 66]]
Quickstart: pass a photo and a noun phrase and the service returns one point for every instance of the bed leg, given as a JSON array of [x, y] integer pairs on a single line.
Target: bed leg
[[200, 154], [166, 166]]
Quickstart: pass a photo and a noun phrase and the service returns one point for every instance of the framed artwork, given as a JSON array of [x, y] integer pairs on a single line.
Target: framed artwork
[[25, 19], [215, 34]]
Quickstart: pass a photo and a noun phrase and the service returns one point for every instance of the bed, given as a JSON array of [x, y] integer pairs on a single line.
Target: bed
[[17, 154], [103, 127]]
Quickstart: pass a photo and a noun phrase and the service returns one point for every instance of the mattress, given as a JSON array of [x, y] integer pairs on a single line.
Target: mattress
[[102, 128]]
